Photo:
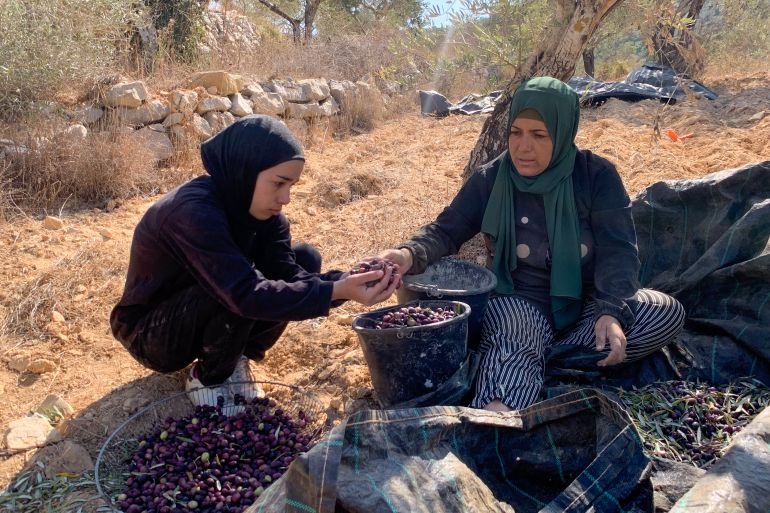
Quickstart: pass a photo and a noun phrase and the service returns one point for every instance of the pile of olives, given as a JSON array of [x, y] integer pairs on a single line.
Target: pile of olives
[[212, 462]]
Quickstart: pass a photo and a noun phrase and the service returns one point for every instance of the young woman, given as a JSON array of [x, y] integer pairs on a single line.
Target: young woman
[[561, 240], [213, 276]]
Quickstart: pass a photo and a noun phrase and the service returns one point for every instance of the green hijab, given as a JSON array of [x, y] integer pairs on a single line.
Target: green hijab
[[558, 106]]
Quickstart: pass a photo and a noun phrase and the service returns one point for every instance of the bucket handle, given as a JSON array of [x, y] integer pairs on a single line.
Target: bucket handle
[[431, 290]]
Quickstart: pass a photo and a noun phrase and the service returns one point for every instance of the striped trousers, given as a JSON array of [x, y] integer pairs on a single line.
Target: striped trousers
[[515, 335]]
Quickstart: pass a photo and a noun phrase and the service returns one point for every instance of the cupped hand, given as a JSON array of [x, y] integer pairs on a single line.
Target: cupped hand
[[354, 286], [610, 333]]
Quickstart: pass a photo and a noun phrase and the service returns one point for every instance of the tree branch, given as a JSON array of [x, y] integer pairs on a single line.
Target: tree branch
[[277, 10]]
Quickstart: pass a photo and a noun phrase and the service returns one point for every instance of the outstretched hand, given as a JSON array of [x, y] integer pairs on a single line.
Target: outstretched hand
[[356, 288], [609, 332]]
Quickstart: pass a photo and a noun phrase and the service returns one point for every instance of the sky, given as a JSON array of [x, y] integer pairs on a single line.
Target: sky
[[443, 5]]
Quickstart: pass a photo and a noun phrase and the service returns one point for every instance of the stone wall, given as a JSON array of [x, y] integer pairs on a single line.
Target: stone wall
[[209, 101]]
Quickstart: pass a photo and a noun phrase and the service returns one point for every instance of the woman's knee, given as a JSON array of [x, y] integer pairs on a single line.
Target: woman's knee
[[659, 307], [660, 318], [308, 257]]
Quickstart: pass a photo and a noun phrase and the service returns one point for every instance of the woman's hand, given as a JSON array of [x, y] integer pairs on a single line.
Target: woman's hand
[[401, 257], [609, 331], [354, 286]]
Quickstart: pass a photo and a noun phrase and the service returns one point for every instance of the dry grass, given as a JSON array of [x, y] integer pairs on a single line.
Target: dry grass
[[61, 170], [346, 57], [81, 286]]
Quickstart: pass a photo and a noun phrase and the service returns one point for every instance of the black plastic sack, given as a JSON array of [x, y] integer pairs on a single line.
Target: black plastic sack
[[574, 453], [648, 82]]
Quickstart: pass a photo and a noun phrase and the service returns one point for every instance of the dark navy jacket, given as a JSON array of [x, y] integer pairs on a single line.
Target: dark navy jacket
[[202, 234], [610, 263]]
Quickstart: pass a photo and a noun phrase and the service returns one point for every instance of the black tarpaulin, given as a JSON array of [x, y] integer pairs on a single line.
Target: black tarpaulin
[[574, 453], [647, 82]]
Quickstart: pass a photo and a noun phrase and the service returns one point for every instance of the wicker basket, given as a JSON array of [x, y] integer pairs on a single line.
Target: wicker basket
[[112, 467]]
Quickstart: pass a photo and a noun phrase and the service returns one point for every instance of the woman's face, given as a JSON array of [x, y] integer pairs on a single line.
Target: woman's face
[[530, 146], [271, 192]]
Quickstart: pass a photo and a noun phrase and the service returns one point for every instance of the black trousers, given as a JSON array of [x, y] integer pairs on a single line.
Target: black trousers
[[193, 325]]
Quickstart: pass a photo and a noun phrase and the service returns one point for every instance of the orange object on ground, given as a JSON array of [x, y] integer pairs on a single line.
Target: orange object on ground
[[671, 133]]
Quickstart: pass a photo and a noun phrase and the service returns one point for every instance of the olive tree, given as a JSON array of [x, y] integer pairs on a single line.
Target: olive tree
[[303, 22], [672, 41], [572, 25]]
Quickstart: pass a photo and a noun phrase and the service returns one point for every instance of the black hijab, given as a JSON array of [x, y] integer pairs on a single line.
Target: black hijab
[[236, 155]]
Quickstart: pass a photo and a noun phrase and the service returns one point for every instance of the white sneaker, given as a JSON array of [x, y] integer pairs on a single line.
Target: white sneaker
[[247, 387], [240, 382]]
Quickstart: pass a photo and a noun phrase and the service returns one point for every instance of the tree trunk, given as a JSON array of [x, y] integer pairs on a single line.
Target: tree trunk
[[574, 23], [311, 9], [588, 61], [674, 44]]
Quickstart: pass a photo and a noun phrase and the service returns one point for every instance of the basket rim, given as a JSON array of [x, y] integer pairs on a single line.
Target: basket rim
[[98, 478]]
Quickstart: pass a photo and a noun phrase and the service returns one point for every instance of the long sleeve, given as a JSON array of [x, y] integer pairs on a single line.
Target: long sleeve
[[456, 224], [272, 250], [200, 240], [616, 264]]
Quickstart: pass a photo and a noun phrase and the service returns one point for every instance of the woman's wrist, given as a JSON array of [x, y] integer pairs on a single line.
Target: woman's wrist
[[338, 290]]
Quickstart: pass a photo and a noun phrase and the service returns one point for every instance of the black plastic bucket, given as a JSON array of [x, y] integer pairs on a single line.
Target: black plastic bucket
[[405, 363], [454, 280]]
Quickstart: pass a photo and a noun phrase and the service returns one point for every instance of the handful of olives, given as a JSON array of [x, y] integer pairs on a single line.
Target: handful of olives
[[375, 264]]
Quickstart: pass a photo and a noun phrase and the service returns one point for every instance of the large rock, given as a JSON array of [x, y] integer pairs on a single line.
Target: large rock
[[314, 89], [185, 102], [214, 103], [341, 90], [252, 89], [154, 137], [65, 458], [29, 432], [240, 105], [88, 115], [154, 111], [313, 109], [225, 83], [300, 91], [268, 103], [176, 118], [200, 128], [287, 89], [218, 121], [126, 94]]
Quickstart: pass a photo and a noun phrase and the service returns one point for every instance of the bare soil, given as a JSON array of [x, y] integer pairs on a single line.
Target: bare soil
[[358, 195]]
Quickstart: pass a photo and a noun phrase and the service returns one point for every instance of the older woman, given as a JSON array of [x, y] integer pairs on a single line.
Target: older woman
[[561, 240]]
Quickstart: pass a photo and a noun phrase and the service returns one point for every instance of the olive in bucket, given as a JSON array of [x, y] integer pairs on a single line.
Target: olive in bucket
[[413, 348]]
